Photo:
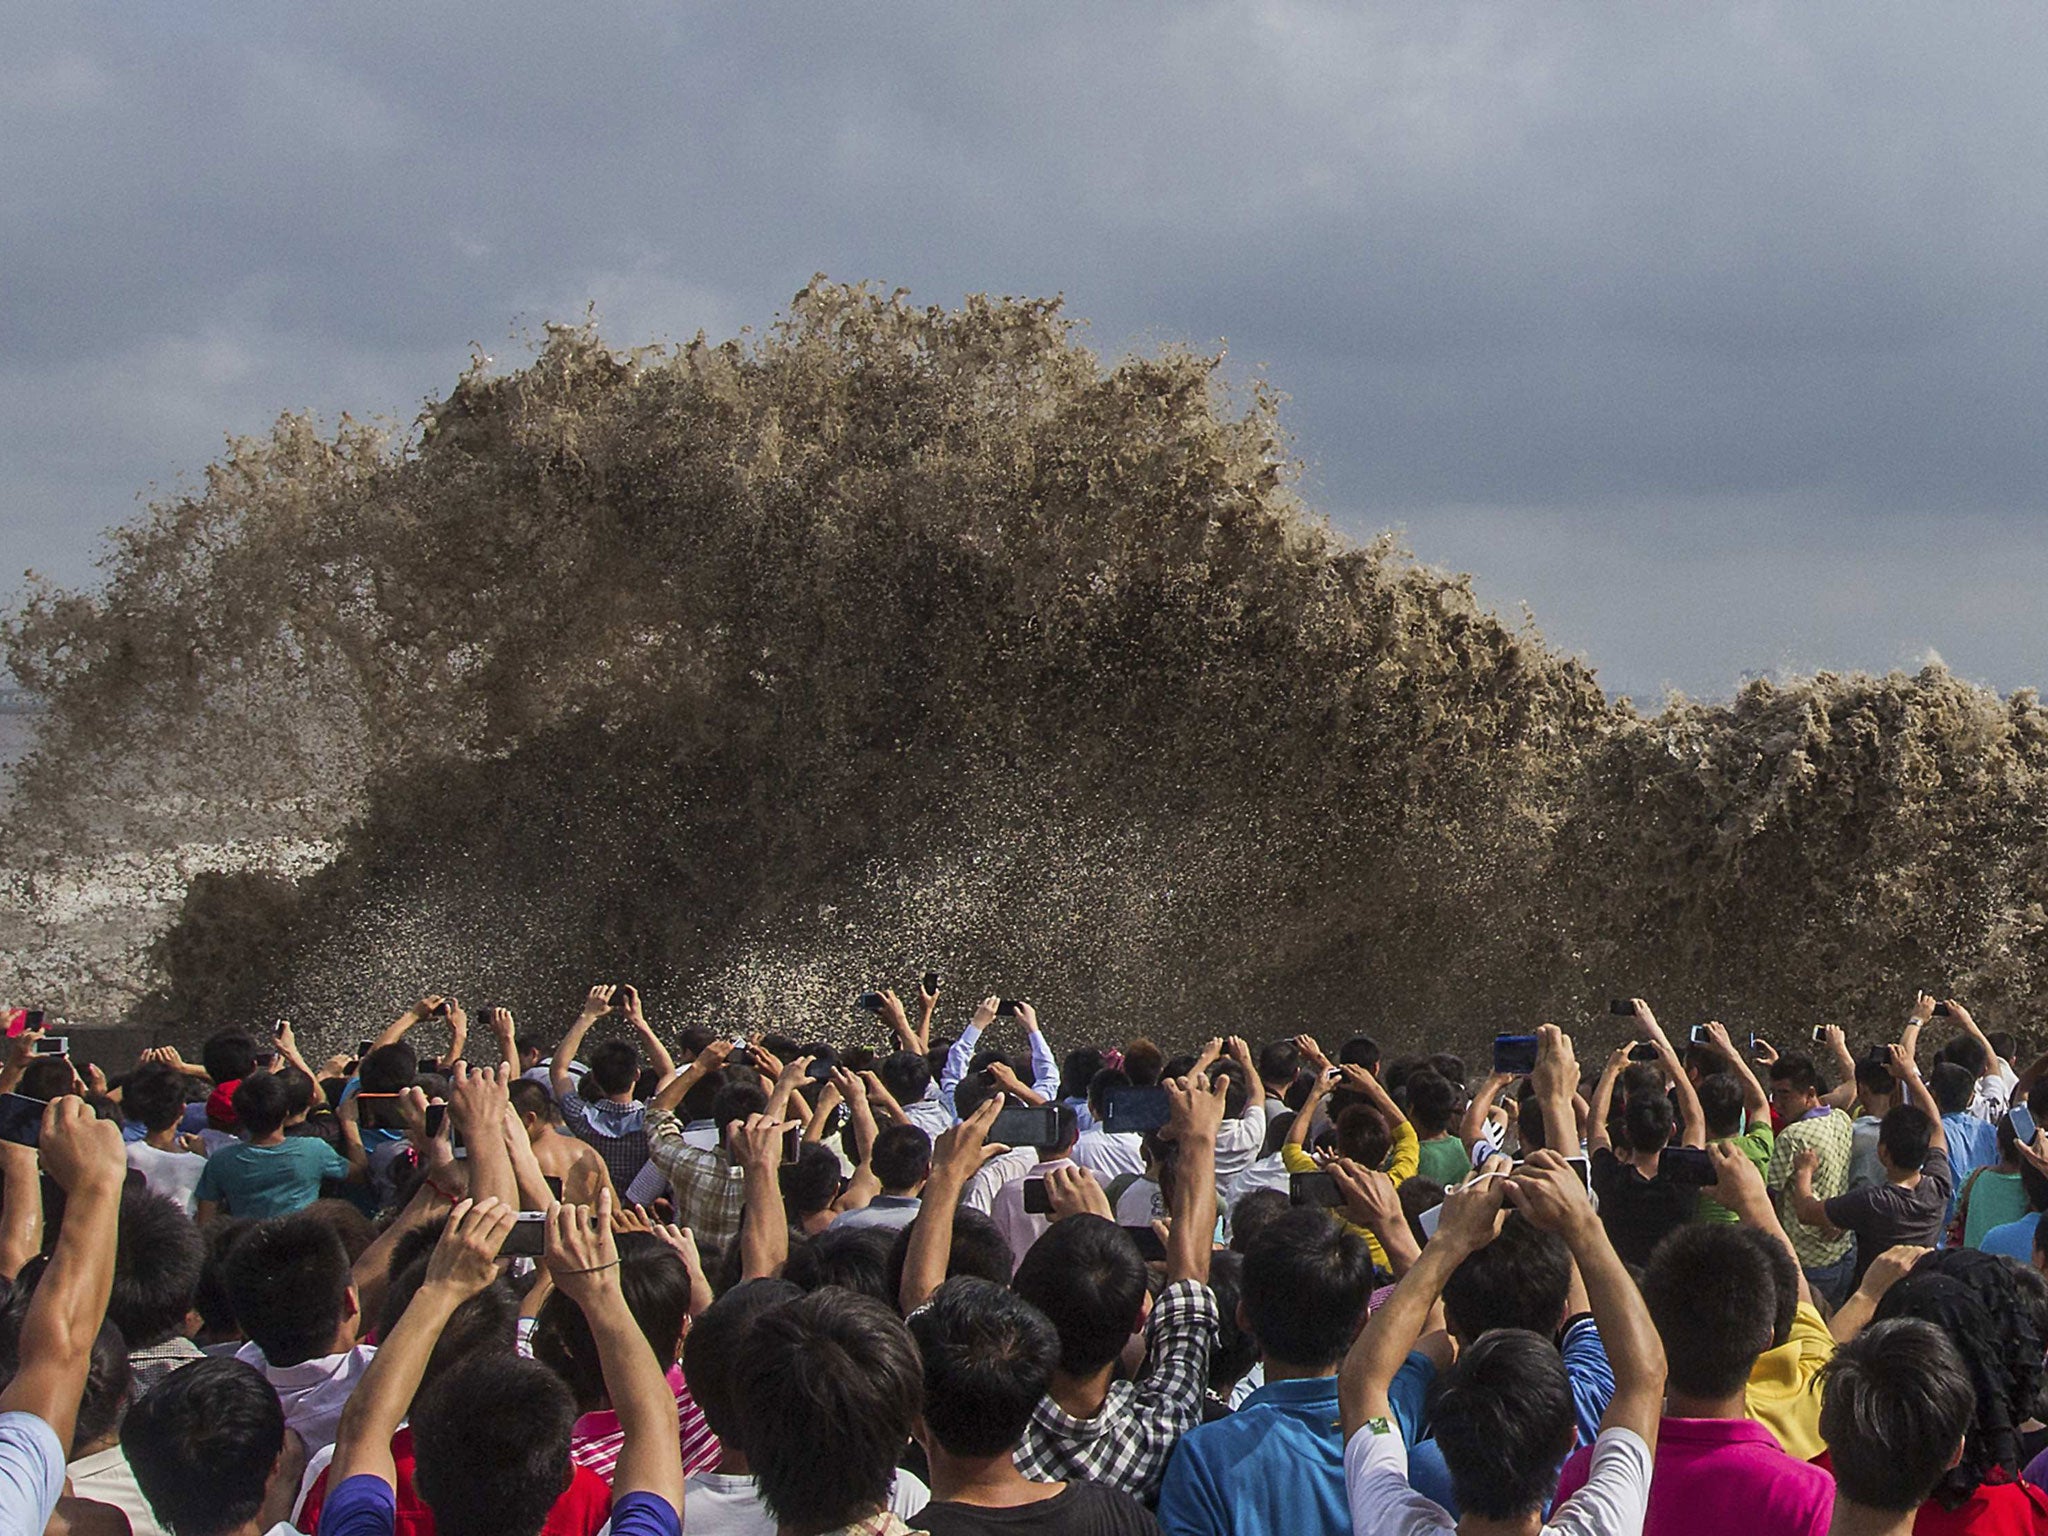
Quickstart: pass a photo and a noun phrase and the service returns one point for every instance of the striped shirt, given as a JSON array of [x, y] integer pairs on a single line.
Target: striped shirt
[[596, 1440]]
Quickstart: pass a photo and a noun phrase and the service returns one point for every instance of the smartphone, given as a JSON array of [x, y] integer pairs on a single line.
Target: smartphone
[[1318, 1189], [528, 1238], [1756, 1042], [1514, 1054], [53, 1045], [266, 1060], [2023, 1126], [1428, 1221], [363, 1048], [437, 1116], [554, 1184], [1700, 1035], [1151, 1246], [792, 1144], [277, 1030], [21, 1119], [871, 1001], [819, 1071], [1820, 1035], [1006, 1008], [1941, 1010], [1136, 1109], [1037, 1198], [930, 982], [1583, 1167], [1643, 1052], [380, 1111], [1027, 1125], [1621, 1007], [1688, 1165]]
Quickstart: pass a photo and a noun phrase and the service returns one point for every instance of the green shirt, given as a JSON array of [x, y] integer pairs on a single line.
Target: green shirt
[[1445, 1160], [270, 1181], [1755, 1144], [1829, 1134]]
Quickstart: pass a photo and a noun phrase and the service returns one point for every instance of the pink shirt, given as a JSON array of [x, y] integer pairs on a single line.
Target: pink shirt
[[1006, 1210], [1716, 1476]]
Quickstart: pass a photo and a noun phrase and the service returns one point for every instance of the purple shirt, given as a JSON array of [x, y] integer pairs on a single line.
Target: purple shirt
[[1714, 1476]]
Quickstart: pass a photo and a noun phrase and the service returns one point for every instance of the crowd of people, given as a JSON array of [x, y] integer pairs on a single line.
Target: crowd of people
[[976, 1284]]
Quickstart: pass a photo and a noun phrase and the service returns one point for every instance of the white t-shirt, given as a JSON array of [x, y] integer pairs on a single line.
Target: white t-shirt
[[1613, 1502], [172, 1175], [1109, 1153], [722, 1504], [31, 1473], [1993, 1095]]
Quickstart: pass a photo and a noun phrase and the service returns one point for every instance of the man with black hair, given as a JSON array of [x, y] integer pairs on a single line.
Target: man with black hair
[[153, 1100], [288, 1280], [272, 1174], [1045, 1067], [1639, 1201], [1712, 1297], [1103, 1152], [1276, 1465], [810, 1187], [1736, 1109], [901, 1159], [569, 1160], [1896, 1403], [99, 1469], [211, 1453], [1022, 1228], [708, 1184], [1504, 1414], [156, 1278], [603, 1110], [1876, 1092], [1972, 1143], [1433, 1107], [1807, 1125], [988, 1357]]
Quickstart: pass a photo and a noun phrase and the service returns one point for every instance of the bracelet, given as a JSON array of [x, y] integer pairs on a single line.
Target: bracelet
[[593, 1269]]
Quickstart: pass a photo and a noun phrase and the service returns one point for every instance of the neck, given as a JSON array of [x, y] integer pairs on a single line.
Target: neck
[[270, 1139], [1861, 1520], [1081, 1396], [1521, 1525], [732, 1462], [165, 1140], [1280, 1370], [991, 1481], [1680, 1405]]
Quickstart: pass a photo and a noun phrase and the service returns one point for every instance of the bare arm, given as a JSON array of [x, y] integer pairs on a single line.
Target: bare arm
[[21, 1218], [956, 1157], [403, 1025], [1197, 1116], [1297, 1128], [1843, 1094], [1603, 1101], [1692, 1122], [657, 1053], [1805, 1206], [1241, 1053], [1908, 1072], [1740, 1188], [1472, 1128], [709, 1060], [1556, 1082], [1756, 1104], [1885, 1271], [477, 1107], [596, 1004], [764, 1225]]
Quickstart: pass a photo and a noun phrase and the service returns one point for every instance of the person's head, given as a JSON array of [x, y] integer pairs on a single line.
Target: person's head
[[1895, 1404], [1714, 1300], [979, 1249], [1903, 1136], [1143, 1062], [531, 1103], [1875, 1085], [1256, 1209], [851, 1258], [656, 1283], [48, 1077], [204, 1444], [486, 1324], [1279, 1065], [736, 1102], [1951, 1086], [1721, 1102], [211, 1301], [1078, 1069], [1086, 1275], [288, 1282], [1066, 1131], [811, 1183], [1967, 1052], [1102, 1085], [901, 1158], [490, 1439], [1784, 1281], [1519, 1280], [1306, 1282], [906, 1074], [1795, 1087], [831, 1389], [1363, 1136], [988, 1355], [228, 1056], [107, 1375], [157, 1261], [614, 1068], [1646, 1122], [715, 1353], [1504, 1421], [261, 1105], [389, 1068], [1360, 1051], [1432, 1101], [154, 1097]]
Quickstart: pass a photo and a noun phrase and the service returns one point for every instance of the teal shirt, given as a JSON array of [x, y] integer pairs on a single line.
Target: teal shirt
[[270, 1181]]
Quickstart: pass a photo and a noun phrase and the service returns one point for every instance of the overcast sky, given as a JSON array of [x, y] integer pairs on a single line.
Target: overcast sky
[[1715, 334]]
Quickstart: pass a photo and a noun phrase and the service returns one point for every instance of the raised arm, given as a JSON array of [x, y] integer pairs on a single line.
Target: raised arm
[[1197, 1116], [21, 1215], [288, 1047], [1472, 1127], [1603, 1101], [477, 1106], [764, 1224], [458, 1034], [657, 1053], [907, 1039], [963, 1049], [596, 1004], [1756, 1104], [1556, 1081], [1692, 1121], [1969, 1027], [1843, 1094], [1907, 1071], [1325, 1079], [1809, 1209], [403, 1025], [505, 1030], [1740, 1188], [1045, 1067], [1241, 1053], [709, 1060], [957, 1156]]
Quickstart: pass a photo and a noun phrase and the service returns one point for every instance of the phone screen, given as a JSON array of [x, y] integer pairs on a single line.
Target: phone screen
[[1026, 1126], [2022, 1122], [21, 1119], [1151, 1247], [792, 1144], [1037, 1198], [437, 1116], [528, 1238], [1136, 1109], [1688, 1165], [1318, 1189], [1514, 1054]]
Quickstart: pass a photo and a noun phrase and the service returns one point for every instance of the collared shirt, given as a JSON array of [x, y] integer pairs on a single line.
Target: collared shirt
[[313, 1392], [1712, 1476], [994, 1174], [1830, 1133], [597, 1439], [1127, 1443], [1109, 1154], [31, 1473], [892, 1211], [1045, 1072], [1993, 1094], [710, 1190], [1275, 1467], [149, 1365], [618, 1132], [1020, 1228], [931, 1114]]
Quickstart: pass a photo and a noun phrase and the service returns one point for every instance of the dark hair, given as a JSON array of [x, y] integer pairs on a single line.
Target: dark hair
[[1306, 1282], [1784, 1281], [1504, 1421], [1364, 1136], [1103, 1084], [157, 1261], [228, 1057], [1952, 1087], [1143, 1062], [1904, 1135], [852, 1258], [614, 1066], [1895, 1405], [1519, 1280], [106, 1377], [1235, 1351], [811, 1182], [530, 1098], [1086, 1275], [389, 1068], [988, 1355], [1256, 1209], [1797, 1073], [1078, 1069], [1874, 1071], [906, 1074], [901, 1157], [202, 1444], [1647, 1121], [979, 1249], [1359, 1051], [715, 1353], [211, 1301], [288, 1281], [1714, 1301], [154, 1097], [491, 1441], [1432, 1101], [971, 1092], [1721, 1098], [656, 1283], [1969, 1053], [486, 1324], [832, 1387], [47, 1078], [1279, 1062], [298, 1089], [261, 1104], [737, 1101], [1066, 1131]]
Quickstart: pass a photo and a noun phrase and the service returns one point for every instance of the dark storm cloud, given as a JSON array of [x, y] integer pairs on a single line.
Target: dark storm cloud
[[1713, 333]]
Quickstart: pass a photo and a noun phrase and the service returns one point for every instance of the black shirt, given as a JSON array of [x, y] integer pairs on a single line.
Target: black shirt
[[1084, 1509], [1636, 1211]]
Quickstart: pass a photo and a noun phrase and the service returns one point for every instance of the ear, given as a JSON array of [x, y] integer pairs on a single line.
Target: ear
[[1955, 1457], [921, 1435], [1144, 1313], [352, 1304], [1244, 1322]]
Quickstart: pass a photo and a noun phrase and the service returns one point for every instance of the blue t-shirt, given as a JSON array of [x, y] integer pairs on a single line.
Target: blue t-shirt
[[270, 1181], [31, 1474], [2014, 1240]]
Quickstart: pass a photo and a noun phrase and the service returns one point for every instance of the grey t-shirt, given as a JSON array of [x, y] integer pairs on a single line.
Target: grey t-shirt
[[1884, 1215]]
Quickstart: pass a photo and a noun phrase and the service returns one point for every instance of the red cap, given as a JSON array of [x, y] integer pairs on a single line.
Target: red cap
[[220, 1104]]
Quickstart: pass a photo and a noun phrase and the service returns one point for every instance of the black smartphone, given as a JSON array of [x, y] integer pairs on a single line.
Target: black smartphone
[[1037, 1198], [1583, 1167], [1941, 1010], [930, 982], [792, 1144], [380, 1111], [437, 1116], [1151, 1246], [363, 1048], [1136, 1109], [277, 1030], [266, 1060], [1314, 1189], [53, 1045], [1700, 1035], [1643, 1051], [1006, 1008], [554, 1184], [528, 1238], [871, 1001], [819, 1071], [1820, 1036], [1027, 1125], [21, 1119], [31, 1020], [1515, 1054], [1688, 1165], [1621, 1007]]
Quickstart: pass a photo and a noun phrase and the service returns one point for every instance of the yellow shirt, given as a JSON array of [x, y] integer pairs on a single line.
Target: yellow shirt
[[1780, 1395], [1400, 1166]]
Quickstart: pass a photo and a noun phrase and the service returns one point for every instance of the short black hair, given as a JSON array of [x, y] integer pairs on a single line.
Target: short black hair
[[229, 1056], [1521, 1279], [288, 1281], [1904, 1135], [1279, 1062], [202, 1444], [988, 1355], [1796, 1072], [811, 1182], [832, 1388], [389, 1068], [107, 1375], [157, 1261], [1307, 1280], [487, 1323], [530, 1098], [1874, 1071], [154, 1096], [1143, 1062], [901, 1157], [1714, 1300], [737, 1101], [1432, 1101], [215, 1307], [1066, 1130], [1647, 1121], [1103, 1084], [1969, 1053], [1078, 1069], [491, 1441], [1952, 1087], [47, 1078], [1086, 1275], [979, 1248], [715, 1353], [1504, 1421], [1784, 1278], [298, 1089], [906, 1074], [261, 1104], [656, 1283], [852, 1258], [1721, 1098], [1256, 1209], [1359, 1051], [1896, 1401], [1363, 1135], [614, 1066]]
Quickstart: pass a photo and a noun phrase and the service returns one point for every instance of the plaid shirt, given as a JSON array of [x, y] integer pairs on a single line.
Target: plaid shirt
[[618, 1132], [1127, 1443], [710, 1190], [1832, 1135]]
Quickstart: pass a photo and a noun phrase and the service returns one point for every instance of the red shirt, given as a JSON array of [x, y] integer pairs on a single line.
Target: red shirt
[[582, 1509]]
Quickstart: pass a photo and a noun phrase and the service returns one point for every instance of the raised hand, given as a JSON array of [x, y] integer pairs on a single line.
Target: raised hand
[[1370, 1198], [627, 998], [1547, 1192], [79, 1150], [1197, 1108], [1306, 1044], [1073, 1191], [465, 1260], [582, 1253], [960, 1151], [985, 1012], [1472, 1213], [758, 1141], [598, 1002]]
